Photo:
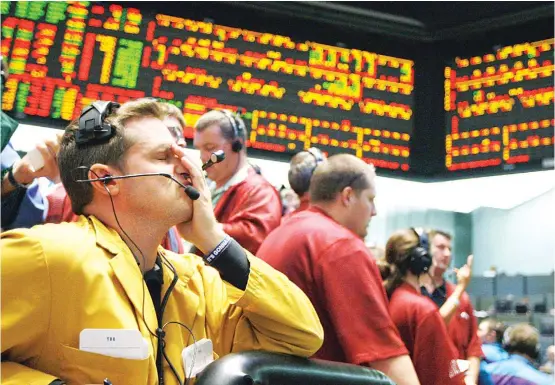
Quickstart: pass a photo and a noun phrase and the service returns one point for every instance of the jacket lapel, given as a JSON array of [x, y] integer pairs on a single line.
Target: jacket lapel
[[128, 274]]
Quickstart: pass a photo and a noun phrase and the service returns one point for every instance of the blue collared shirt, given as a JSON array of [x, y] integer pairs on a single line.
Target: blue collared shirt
[[494, 352], [30, 209], [517, 370]]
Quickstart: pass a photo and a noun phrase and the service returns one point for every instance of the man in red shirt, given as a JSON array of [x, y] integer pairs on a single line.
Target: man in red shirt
[[322, 251], [462, 324], [301, 168], [246, 204]]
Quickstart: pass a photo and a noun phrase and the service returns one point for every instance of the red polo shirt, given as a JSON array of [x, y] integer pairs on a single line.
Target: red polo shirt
[[424, 333], [336, 271], [463, 327]]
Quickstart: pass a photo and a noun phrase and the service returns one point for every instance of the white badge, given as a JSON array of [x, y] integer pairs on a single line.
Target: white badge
[[196, 357], [119, 343]]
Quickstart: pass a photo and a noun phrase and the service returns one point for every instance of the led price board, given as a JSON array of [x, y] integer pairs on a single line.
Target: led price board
[[293, 94], [499, 108]]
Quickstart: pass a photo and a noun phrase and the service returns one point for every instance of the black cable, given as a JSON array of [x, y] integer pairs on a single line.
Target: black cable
[[164, 302], [194, 351], [174, 371]]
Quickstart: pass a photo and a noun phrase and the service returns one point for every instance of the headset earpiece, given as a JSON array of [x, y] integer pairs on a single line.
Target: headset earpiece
[[236, 146], [238, 127], [419, 260]]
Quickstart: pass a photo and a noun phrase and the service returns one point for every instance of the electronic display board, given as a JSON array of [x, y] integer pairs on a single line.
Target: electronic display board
[[499, 109], [293, 94]]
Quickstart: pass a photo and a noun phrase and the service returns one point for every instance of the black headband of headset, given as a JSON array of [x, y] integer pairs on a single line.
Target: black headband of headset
[[92, 125]]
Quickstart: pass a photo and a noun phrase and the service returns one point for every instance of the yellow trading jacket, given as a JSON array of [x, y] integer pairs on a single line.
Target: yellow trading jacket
[[60, 279]]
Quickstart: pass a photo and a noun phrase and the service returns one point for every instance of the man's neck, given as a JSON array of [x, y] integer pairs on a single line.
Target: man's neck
[[437, 275], [142, 238], [240, 164], [432, 281], [304, 201], [412, 280]]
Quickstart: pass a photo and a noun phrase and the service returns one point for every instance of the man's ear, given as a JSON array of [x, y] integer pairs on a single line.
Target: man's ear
[[346, 196], [103, 186]]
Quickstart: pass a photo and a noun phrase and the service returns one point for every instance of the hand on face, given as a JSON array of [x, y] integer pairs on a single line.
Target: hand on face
[[202, 230], [25, 173]]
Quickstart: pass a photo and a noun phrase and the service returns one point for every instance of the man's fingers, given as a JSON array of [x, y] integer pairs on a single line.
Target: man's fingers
[[470, 260], [194, 171], [53, 146]]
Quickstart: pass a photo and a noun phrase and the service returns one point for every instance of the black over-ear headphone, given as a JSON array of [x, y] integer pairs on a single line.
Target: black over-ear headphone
[[238, 127], [419, 260], [520, 347], [93, 128]]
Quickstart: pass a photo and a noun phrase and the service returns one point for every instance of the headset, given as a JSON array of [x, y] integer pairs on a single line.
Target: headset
[[305, 173], [238, 127], [419, 259], [318, 157], [93, 127], [520, 347]]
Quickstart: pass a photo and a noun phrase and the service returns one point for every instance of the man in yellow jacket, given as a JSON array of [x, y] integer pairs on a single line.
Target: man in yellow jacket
[[107, 271]]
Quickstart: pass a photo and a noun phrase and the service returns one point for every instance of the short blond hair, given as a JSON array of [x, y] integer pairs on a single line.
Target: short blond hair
[[174, 112]]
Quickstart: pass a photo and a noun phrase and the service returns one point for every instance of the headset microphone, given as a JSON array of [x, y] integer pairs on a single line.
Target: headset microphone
[[215, 157], [191, 192]]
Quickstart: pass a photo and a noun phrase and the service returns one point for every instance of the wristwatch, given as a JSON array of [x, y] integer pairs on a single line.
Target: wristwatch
[[15, 183]]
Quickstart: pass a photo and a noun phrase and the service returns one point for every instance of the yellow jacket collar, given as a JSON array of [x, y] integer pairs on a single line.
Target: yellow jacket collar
[[106, 237]]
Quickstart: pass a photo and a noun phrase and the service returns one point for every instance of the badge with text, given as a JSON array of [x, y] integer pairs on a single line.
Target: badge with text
[[119, 343]]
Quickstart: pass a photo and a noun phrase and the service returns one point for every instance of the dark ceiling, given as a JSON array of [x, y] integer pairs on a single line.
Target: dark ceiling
[[437, 15], [421, 21]]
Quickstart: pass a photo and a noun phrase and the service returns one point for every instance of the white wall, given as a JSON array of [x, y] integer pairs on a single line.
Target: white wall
[[520, 240]]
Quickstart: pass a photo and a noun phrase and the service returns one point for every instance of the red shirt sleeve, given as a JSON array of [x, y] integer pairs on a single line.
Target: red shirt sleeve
[[59, 206], [356, 302], [463, 328], [255, 212], [434, 355], [474, 348]]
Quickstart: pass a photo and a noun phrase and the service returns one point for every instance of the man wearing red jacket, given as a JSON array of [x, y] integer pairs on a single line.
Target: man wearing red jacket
[[247, 205], [455, 306]]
